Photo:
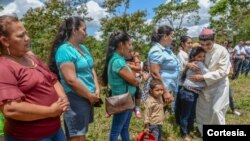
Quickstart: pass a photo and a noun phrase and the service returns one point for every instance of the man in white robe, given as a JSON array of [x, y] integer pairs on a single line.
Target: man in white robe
[[212, 104]]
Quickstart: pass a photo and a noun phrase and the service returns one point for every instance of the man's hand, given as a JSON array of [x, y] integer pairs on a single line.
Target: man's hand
[[197, 78], [193, 66]]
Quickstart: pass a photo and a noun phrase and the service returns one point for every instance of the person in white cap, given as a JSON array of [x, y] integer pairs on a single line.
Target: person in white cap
[[212, 104]]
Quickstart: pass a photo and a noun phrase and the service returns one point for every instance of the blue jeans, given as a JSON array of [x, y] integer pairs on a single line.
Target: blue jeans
[[237, 68], [120, 126], [58, 136], [231, 100], [157, 131], [178, 106], [245, 67], [188, 101], [173, 108]]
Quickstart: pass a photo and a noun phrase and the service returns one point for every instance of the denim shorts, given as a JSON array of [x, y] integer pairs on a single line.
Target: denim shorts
[[78, 116]]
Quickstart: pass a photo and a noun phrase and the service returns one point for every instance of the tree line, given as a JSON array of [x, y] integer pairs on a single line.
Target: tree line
[[229, 18]]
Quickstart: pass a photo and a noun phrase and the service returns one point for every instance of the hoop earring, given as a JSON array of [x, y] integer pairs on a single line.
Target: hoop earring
[[8, 50]]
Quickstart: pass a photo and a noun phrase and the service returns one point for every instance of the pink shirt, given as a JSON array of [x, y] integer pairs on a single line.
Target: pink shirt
[[33, 85]]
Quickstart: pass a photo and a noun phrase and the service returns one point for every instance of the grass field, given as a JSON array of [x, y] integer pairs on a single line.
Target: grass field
[[99, 130]]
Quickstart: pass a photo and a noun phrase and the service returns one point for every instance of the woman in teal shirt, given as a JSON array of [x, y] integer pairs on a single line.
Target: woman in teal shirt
[[119, 77], [73, 63]]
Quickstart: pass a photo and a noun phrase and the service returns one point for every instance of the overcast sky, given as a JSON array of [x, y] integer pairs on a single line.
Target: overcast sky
[[96, 12]]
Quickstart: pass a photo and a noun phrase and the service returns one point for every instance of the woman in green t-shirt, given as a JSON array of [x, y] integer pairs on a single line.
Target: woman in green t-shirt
[[119, 77]]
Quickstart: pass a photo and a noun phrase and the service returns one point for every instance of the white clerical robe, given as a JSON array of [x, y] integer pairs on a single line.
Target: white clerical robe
[[212, 104]]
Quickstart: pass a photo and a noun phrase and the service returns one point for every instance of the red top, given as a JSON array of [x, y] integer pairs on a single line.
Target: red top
[[33, 85]]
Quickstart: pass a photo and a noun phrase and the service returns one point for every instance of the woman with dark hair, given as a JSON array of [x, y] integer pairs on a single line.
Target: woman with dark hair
[[186, 45], [164, 65], [189, 92], [75, 67], [31, 97], [120, 78]]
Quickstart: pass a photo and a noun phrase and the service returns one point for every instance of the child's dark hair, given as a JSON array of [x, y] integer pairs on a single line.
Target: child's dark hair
[[194, 52], [154, 82]]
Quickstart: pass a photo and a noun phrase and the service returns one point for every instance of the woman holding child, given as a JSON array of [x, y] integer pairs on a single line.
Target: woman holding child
[[120, 78]]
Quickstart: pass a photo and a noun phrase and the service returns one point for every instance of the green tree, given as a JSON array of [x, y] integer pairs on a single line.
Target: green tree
[[230, 18], [134, 23], [175, 14], [42, 24]]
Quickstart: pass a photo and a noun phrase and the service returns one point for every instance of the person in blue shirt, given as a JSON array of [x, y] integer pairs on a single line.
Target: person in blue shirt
[[163, 63], [73, 63]]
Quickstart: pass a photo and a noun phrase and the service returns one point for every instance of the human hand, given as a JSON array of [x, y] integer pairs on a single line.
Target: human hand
[[146, 130], [93, 99], [242, 57], [65, 99], [196, 78], [168, 98], [193, 66], [58, 107], [97, 93]]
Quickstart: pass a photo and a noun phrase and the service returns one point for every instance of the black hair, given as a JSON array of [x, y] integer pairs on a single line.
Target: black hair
[[63, 34], [153, 83], [207, 37], [194, 52], [160, 32], [184, 39], [5, 22], [115, 38]]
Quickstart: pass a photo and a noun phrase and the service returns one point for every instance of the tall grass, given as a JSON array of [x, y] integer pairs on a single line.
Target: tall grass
[[99, 130]]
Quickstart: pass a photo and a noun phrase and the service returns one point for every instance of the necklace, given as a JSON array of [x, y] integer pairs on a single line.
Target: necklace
[[77, 48], [27, 61]]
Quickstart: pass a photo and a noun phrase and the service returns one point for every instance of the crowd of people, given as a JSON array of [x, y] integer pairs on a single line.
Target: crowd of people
[[194, 83]]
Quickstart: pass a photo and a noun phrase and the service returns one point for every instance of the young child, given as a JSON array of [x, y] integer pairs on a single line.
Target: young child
[[135, 65], [154, 111], [189, 92]]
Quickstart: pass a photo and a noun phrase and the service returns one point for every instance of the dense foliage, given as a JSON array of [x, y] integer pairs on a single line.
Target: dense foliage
[[230, 19], [42, 24], [176, 14]]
